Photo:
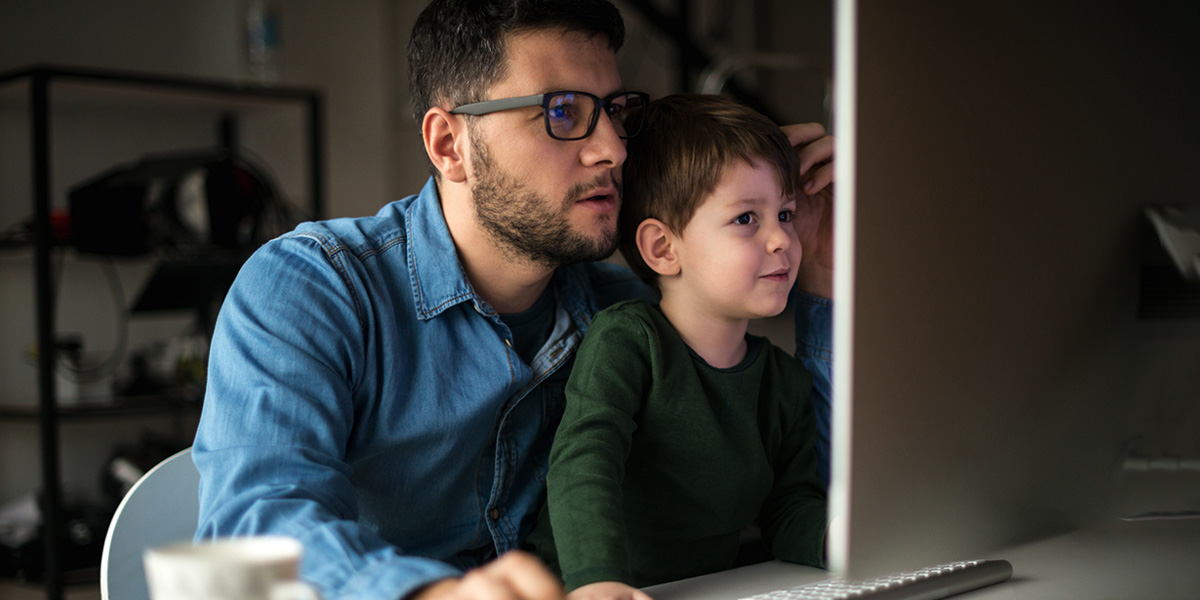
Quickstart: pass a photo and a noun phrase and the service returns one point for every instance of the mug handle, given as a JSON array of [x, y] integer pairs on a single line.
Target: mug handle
[[293, 590]]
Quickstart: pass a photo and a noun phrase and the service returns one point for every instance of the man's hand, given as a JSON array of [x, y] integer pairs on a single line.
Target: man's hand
[[814, 207], [814, 149], [608, 590], [514, 576]]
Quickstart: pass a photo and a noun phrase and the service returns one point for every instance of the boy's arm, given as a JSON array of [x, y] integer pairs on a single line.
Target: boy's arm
[[793, 517], [587, 462]]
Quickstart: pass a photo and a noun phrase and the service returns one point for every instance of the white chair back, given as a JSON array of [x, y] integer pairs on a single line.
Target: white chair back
[[161, 508]]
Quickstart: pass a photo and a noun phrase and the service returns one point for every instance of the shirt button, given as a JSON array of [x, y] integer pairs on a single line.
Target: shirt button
[[494, 514]]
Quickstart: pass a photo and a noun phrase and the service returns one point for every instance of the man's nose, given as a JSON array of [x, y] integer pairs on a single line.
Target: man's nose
[[604, 145]]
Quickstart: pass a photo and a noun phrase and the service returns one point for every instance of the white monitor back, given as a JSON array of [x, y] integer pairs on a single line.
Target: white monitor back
[[993, 161]]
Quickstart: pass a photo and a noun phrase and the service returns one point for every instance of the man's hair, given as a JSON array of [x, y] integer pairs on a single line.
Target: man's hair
[[678, 160], [457, 48]]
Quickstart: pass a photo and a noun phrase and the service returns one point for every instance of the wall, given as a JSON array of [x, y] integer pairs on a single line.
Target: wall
[[202, 39]]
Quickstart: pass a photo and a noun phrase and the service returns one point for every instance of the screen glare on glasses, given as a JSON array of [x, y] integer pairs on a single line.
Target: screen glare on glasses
[[573, 115]]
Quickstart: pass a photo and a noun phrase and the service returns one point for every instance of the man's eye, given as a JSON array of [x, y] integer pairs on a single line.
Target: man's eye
[[563, 111], [744, 219]]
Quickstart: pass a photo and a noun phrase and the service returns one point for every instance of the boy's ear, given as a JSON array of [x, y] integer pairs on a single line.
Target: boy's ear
[[445, 138], [655, 242]]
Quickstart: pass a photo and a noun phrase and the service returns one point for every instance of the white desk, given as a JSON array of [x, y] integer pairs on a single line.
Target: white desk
[[1157, 560]]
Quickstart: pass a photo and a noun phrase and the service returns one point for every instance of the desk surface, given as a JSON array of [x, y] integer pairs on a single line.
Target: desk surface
[[1144, 559]]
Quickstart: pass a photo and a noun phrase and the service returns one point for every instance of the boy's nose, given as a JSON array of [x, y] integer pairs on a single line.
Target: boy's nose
[[780, 237]]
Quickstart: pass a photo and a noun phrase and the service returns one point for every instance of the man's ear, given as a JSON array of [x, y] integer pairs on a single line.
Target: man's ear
[[445, 139], [655, 242]]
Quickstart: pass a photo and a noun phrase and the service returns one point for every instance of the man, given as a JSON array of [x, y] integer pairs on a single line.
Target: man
[[386, 389]]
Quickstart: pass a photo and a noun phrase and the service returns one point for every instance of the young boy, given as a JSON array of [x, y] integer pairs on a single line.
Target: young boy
[[681, 429]]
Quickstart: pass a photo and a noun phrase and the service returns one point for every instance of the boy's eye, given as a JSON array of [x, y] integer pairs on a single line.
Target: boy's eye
[[744, 219], [786, 216]]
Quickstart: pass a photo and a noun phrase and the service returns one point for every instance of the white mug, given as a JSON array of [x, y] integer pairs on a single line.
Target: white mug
[[243, 568]]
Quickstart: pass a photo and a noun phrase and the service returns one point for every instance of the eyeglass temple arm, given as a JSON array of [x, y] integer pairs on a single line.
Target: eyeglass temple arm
[[491, 106]]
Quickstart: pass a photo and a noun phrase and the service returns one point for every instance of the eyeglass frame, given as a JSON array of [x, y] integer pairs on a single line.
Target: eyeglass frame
[[488, 107]]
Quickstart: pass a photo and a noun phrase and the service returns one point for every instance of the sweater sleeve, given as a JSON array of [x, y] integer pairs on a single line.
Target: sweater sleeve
[[793, 517], [587, 463]]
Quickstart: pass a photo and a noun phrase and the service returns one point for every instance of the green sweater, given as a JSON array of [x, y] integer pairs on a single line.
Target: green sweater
[[661, 460]]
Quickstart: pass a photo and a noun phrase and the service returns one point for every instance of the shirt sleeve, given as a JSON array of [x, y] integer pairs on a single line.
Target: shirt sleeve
[[277, 417], [814, 350], [587, 463]]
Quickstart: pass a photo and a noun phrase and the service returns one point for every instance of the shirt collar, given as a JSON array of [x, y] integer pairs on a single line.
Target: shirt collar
[[439, 280]]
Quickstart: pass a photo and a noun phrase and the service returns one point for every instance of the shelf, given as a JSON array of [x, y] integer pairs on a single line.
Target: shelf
[[117, 408], [89, 576], [108, 88], [99, 93]]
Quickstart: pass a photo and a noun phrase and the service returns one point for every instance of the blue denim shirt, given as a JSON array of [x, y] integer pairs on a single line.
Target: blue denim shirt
[[814, 348], [363, 399]]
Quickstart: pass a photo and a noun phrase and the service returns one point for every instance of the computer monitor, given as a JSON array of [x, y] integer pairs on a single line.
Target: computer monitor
[[989, 359]]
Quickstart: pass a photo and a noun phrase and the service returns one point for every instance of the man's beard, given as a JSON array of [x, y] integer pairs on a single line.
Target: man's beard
[[526, 224]]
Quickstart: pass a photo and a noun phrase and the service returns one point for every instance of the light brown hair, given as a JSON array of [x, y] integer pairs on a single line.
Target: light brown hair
[[680, 156]]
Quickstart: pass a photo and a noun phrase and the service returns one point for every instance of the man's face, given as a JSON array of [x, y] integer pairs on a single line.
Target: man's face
[[549, 201]]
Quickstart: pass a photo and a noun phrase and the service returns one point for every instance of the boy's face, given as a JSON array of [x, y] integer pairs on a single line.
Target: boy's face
[[739, 252], [549, 200]]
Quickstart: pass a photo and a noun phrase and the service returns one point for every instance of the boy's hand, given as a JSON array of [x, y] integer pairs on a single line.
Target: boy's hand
[[514, 576], [608, 590], [814, 207]]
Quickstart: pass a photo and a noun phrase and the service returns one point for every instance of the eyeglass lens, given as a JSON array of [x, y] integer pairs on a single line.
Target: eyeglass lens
[[573, 116]]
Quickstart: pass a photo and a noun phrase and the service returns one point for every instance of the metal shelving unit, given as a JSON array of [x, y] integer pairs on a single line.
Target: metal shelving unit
[[52, 87]]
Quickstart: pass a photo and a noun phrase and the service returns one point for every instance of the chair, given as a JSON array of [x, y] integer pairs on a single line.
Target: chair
[[161, 508]]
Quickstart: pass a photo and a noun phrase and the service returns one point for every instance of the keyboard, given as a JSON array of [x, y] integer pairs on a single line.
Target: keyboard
[[930, 583]]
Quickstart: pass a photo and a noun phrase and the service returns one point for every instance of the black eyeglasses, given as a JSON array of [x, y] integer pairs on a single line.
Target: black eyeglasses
[[573, 115]]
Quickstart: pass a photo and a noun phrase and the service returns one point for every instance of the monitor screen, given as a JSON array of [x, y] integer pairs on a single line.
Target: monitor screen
[[990, 364]]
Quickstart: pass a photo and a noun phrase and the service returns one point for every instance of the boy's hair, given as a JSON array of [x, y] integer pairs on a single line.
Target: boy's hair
[[679, 158], [457, 48]]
